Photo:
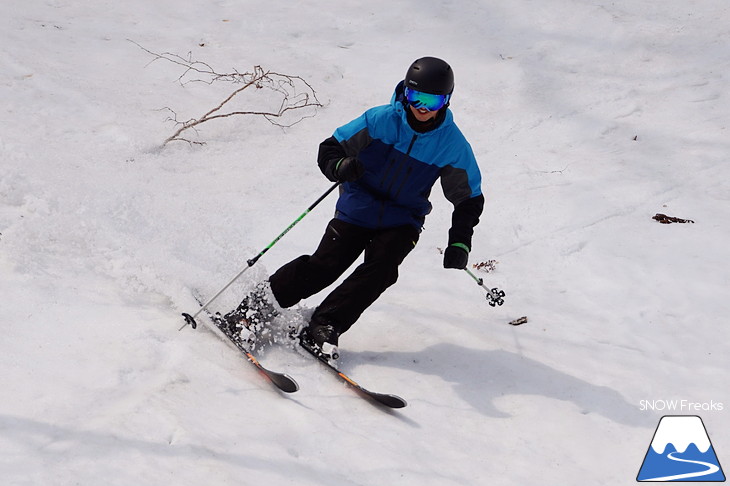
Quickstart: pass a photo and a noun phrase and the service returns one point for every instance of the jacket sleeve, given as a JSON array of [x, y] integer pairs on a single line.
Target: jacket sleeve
[[330, 152], [462, 187], [464, 218], [347, 141]]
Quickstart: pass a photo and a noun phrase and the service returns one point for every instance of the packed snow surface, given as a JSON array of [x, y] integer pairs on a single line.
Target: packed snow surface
[[587, 118]]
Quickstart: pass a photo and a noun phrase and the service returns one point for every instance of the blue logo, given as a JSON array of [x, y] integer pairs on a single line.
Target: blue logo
[[681, 451]]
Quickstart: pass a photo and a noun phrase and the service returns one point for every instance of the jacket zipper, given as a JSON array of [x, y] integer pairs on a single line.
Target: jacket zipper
[[395, 173], [408, 170], [403, 183]]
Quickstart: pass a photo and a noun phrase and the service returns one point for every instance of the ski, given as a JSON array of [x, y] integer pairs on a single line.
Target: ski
[[392, 401], [282, 381]]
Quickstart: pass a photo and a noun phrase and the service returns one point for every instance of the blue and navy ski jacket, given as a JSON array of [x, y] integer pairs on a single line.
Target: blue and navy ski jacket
[[401, 166]]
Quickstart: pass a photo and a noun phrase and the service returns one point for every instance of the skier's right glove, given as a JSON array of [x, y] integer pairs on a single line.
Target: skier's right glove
[[348, 169]]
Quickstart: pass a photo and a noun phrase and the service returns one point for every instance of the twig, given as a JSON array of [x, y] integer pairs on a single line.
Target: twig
[[295, 92], [664, 219]]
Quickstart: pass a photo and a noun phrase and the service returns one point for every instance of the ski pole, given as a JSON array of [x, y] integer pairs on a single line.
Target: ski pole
[[494, 296], [251, 262]]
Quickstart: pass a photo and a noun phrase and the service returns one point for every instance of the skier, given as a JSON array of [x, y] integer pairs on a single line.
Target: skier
[[387, 160]]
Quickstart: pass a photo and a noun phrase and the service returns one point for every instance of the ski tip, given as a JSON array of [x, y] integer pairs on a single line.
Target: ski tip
[[283, 382], [287, 384], [393, 401]]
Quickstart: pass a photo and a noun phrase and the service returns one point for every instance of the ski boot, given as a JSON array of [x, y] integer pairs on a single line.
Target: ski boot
[[251, 316], [322, 339]]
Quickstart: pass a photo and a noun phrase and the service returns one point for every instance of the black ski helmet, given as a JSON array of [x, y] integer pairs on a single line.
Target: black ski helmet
[[430, 75]]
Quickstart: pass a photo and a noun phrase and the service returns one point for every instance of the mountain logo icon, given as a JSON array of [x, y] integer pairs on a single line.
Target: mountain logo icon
[[681, 451]]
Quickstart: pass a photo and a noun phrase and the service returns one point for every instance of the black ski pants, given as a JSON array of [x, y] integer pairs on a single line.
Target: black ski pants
[[341, 245]]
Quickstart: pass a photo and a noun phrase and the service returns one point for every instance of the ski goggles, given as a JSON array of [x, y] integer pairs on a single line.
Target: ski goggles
[[431, 102]]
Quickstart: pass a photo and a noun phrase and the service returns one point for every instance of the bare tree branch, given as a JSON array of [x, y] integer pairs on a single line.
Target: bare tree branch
[[295, 92]]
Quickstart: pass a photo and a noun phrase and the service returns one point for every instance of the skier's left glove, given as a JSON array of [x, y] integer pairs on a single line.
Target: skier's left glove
[[456, 256]]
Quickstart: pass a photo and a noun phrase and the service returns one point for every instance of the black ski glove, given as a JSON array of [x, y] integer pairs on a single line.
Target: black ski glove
[[456, 256], [349, 169]]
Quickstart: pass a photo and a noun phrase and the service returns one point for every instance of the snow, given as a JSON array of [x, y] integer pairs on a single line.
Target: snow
[[587, 119]]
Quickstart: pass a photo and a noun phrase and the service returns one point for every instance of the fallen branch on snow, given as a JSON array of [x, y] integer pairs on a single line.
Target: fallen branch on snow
[[293, 93], [664, 219]]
